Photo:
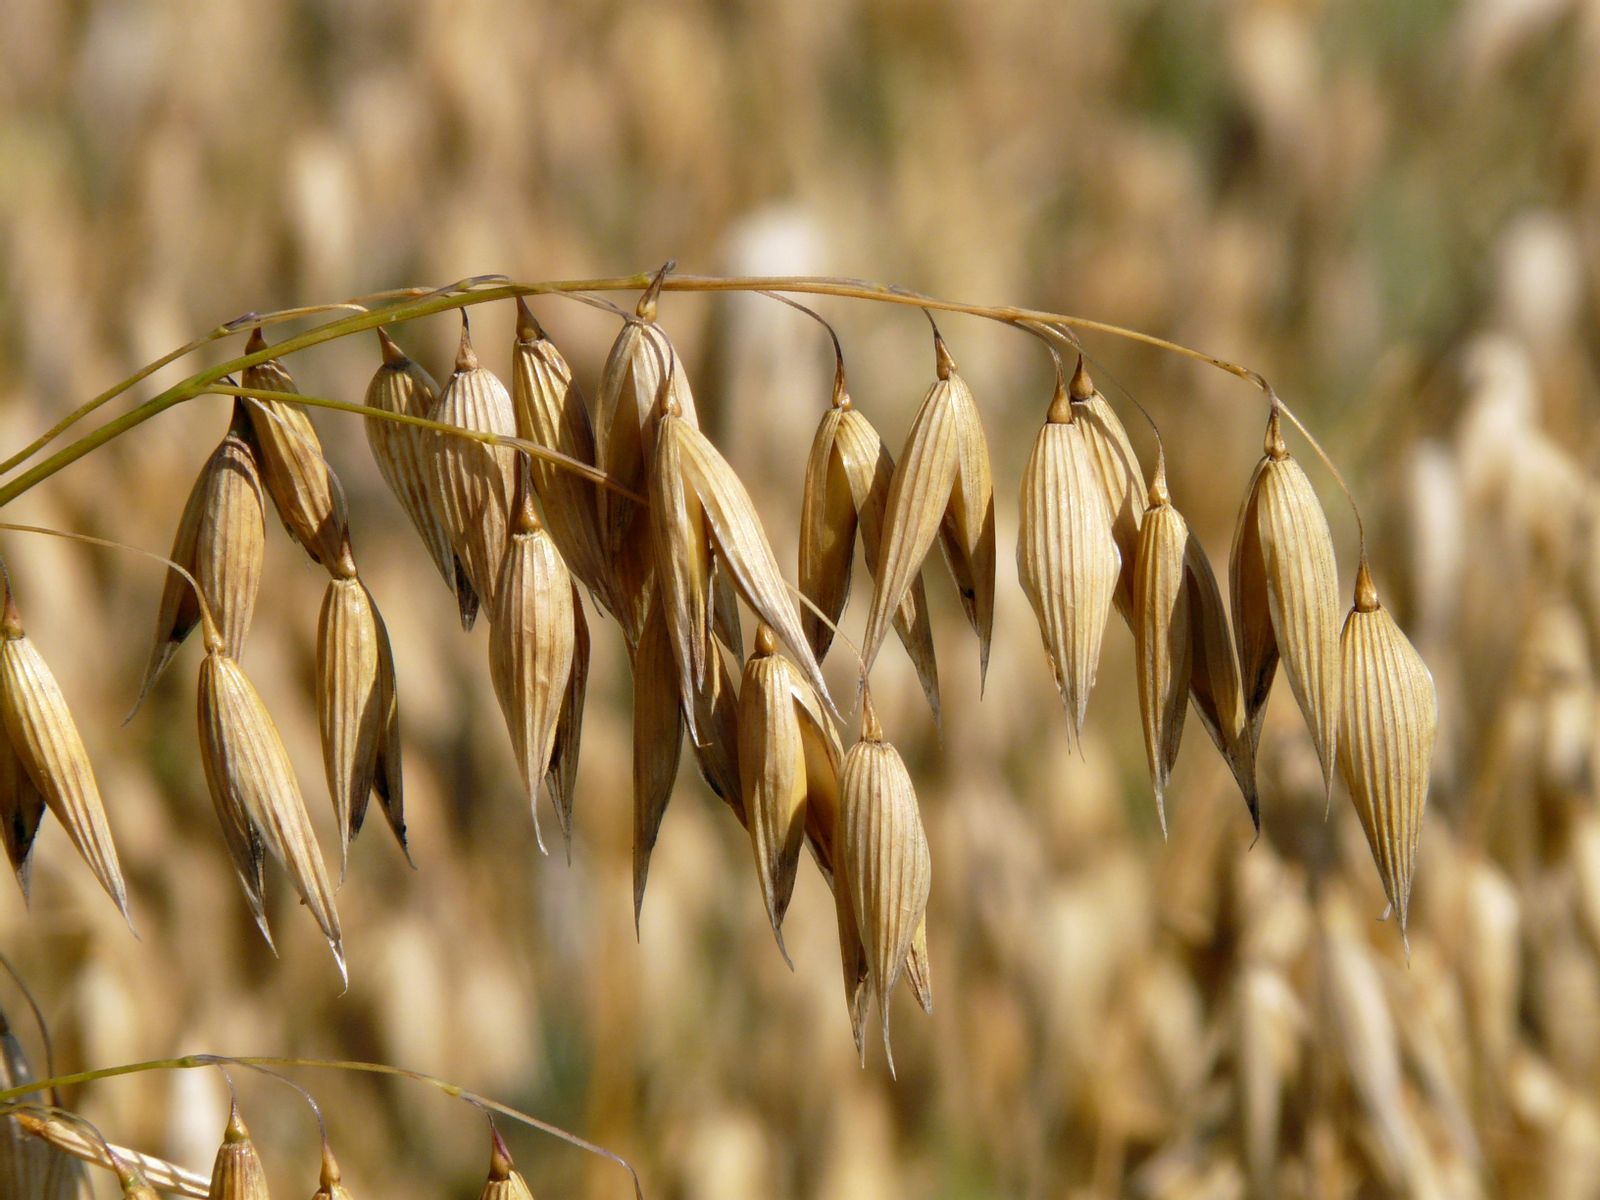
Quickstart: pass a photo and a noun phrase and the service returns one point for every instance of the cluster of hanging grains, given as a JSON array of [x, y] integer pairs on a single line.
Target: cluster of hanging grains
[[523, 506]]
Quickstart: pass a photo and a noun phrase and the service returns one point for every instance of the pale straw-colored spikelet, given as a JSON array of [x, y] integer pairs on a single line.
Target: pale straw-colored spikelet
[[531, 641], [657, 742], [351, 712], [551, 412], [1214, 675], [941, 486], [404, 457], [741, 546], [1118, 471], [21, 809], [852, 954], [330, 1180], [31, 1166], [725, 623], [716, 708], [1162, 633], [561, 780], [388, 780], [919, 968], [1389, 719], [776, 770], [472, 483], [848, 476], [237, 1173], [138, 1175], [1284, 535], [885, 851], [505, 1182], [297, 476], [46, 742], [250, 777], [1067, 559], [221, 541], [682, 546]]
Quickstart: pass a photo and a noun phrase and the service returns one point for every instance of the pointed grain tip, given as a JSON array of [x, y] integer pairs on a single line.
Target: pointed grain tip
[[392, 354], [945, 365], [528, 327], [257, 341], [1272, 444], [1366, 591], [466, 356], [1060, 412]]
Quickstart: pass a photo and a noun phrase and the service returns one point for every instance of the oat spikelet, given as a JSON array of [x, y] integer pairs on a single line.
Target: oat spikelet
[[1067, 559], [551, 412], [919, 971], [388, 780], [46, 742], [138, 1174], [657, 742], [330, 1183], [885, 855], [682, 545], [237, 1173], [1390, 717], [531, 639], [1214, 675], [31, 1166], [297, 476], [716, 710], [352, 715], [404, 453], [472, 484], [21, 810], [221, 541], [1301, 584], [561, 780], [852, 957], [1117, 468], [505, 1182], [740, 545], [777, 772], [1161, 634], [942, 488], [848, 477], [252, 783]]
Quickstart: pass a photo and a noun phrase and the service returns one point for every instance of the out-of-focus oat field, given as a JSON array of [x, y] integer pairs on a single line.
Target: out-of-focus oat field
[[1391, 210]]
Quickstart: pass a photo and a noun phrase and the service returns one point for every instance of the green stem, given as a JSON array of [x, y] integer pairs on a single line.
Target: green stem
[[189, 1062], [470, 292]]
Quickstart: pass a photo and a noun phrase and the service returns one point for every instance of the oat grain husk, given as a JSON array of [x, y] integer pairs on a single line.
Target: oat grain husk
[[296, 474], [404, 456], [505, 1182], [847, 481], [1117, 468], [561, 781], [21, 810], [1067, 558], [221, 541], [237, 1173], [1162, 634], [1389, 721], [1214, 690], [473, 484], [47, 744], [532, 635], [657, 743], [330, 1182], [352, 713], [885, 854], [253, 786], [682, 545]]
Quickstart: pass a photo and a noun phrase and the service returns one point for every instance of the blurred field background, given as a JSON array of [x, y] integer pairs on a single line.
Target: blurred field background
[[1391, 210]]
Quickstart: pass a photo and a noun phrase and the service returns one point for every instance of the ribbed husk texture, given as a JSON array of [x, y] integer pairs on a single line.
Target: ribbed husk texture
[[472, 484], [256, 795], [532, 635], [1162, 635], [46, 743], [1285, 586], [848, 476], [404, 456], [1390, 718], [884, 852], [1117, 469], [237, 1173], [942, 488], [505, 1182], [297, 475], [221, 541], [1067, 558]]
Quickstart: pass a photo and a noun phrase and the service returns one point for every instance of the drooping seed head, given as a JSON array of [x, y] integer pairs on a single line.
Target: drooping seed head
[[1067, 557], [1119, 474], [1214, 675], [297, 475], [45, 740], [562, 778], [1389, 719], [1162, 634], [657, 742], [472, 484], [351, 715]]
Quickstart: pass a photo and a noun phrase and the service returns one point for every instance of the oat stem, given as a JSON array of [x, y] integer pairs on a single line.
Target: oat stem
[[189, 1062], [394, 307]]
